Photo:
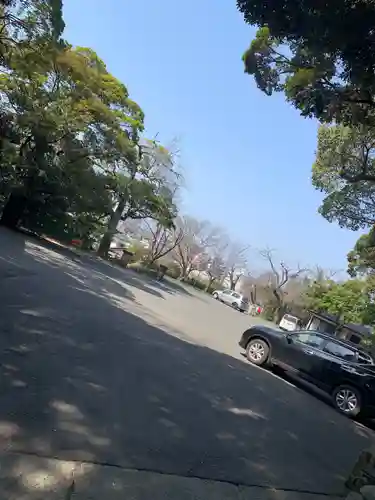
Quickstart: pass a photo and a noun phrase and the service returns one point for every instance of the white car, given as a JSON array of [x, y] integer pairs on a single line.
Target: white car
[[232, 298], [289, 323]]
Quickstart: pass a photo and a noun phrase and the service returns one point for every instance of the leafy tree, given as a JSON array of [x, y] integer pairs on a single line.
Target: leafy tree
[[28, 23], [344, 171], [69, 110], [71, 159], [321, 55], [30, 30], [361, 260], [351, 301], [139, 192]]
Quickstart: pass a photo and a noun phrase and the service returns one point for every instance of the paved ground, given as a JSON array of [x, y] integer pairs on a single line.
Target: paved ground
[[104, 367]]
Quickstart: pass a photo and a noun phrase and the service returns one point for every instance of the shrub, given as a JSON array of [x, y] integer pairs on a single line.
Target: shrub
[[200, 285], [268, 313], [139, 267], [173, 270], [139, 252]]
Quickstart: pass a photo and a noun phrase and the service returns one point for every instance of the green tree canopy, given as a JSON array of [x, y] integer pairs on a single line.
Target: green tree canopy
[[141, 190], [350, 300], [361, 260], [71, 155], [65, 110], [344, 170], [321, 55], [29, 24]]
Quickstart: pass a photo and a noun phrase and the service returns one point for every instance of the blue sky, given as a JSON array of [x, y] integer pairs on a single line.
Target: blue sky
[[247, 157]]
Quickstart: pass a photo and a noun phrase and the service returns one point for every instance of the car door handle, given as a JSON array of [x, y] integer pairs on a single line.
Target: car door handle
[[309, 351]]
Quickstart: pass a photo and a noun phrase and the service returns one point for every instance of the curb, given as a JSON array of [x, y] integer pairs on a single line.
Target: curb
[[361, 481], [366, 493]]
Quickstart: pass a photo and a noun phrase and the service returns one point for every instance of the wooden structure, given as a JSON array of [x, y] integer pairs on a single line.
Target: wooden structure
[[328, 323]]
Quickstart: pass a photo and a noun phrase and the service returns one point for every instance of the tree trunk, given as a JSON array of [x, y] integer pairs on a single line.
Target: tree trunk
[[183, 275], [253, 294], [232, 285], [106, 240], [185, 271], [209, 284], [233, 281], [13, 210], [151, 261], [279, 312]]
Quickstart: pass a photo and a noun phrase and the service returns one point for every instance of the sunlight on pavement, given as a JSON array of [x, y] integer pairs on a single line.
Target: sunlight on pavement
[[247, 413]]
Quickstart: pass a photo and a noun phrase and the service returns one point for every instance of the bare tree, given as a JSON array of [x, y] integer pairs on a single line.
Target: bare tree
[[257, 288], [321, 275], [215, 270], [162, 241], [281, 274], [236, 263], [199, 237]]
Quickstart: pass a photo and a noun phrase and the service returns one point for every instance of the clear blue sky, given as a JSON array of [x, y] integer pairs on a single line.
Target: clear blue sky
[[247, 157]]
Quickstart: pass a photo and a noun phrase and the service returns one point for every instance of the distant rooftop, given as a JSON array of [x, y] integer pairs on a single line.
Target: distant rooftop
[[363, 330]]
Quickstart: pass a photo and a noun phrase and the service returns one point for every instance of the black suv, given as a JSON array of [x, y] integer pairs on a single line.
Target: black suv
[[337, 367]]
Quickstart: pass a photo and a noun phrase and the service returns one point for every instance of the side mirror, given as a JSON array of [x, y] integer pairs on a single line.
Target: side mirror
[[289, 338]]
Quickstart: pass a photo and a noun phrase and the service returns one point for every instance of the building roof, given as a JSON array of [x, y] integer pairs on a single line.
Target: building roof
[[363, 330], [326, 316]]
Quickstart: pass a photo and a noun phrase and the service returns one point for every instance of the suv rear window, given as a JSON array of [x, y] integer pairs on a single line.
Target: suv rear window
[[292, 319], [340, 351]]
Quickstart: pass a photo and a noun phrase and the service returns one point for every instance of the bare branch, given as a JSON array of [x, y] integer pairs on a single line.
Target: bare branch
[[198, 240], [282, 275], [267, 254]]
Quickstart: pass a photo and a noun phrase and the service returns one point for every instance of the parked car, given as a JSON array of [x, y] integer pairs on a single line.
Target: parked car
[[232, 298], [337, 367], [289, 323]]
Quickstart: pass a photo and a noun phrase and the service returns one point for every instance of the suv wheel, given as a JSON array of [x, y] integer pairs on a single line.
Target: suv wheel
[[347, 400], [235, 306], [216, 296], [257, 352]]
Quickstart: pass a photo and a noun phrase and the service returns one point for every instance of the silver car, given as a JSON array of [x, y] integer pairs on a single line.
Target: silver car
[[232, 298]]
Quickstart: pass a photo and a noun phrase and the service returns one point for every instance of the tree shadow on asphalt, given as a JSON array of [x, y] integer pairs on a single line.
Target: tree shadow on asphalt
[[142, 281], [173, 286], [84, 380], [107, 269]]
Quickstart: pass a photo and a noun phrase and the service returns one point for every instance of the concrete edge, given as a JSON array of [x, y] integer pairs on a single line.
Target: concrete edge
[[30, 477]]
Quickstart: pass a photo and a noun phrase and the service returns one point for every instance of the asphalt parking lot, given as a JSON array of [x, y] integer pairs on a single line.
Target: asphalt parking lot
[[104, 366]]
